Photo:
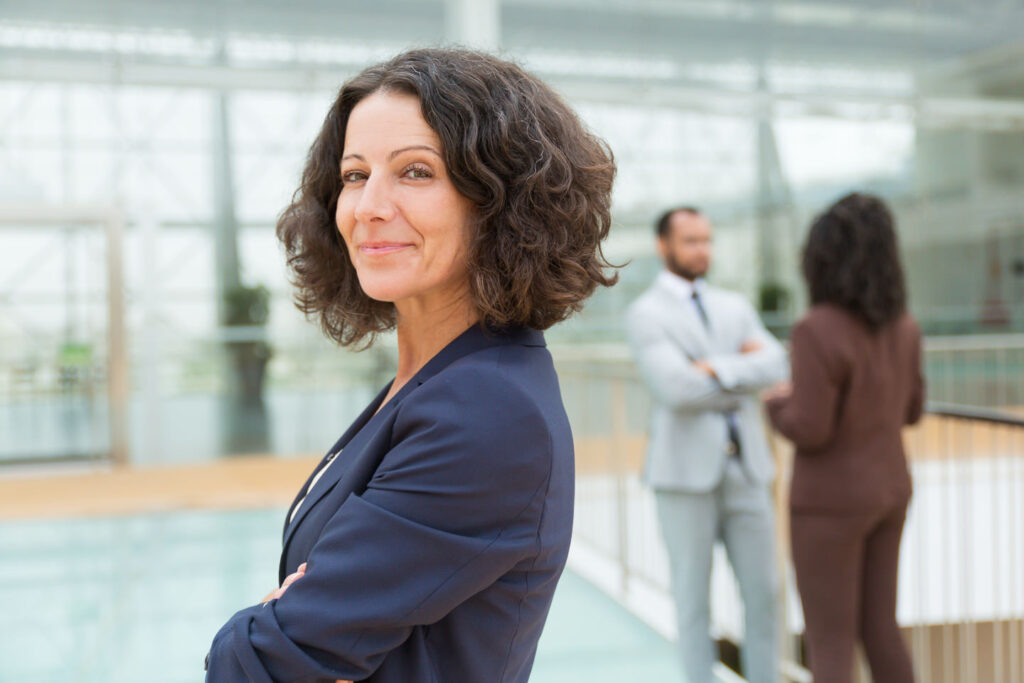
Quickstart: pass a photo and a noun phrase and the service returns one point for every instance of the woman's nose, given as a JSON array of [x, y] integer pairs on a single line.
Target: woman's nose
[[375, 201]]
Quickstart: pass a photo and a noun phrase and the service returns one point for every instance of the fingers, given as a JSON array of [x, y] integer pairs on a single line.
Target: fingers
[[704, 367], [751, 346], [289, 580], [292, 578], [777, 391]]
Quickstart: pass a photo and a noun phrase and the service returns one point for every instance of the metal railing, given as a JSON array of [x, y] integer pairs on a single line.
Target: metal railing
[[976, 370], [962, 563], [961, 597]]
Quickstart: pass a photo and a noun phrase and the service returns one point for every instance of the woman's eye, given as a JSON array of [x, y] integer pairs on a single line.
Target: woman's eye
[[418, 172], [352, 176]]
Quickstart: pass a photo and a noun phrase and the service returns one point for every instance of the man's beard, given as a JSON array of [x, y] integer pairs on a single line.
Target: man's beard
[[682, 271]]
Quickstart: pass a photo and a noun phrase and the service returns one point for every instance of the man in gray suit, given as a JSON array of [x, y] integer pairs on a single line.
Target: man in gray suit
[[705, 355]]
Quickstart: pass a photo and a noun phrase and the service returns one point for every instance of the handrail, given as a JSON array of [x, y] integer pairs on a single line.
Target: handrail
[[961, 412], [973, 342]]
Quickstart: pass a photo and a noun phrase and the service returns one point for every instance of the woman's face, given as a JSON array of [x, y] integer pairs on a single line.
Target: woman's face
[[404, 223]]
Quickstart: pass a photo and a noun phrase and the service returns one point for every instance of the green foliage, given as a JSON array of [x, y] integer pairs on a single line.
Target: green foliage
[[247, 305], [773, 297]]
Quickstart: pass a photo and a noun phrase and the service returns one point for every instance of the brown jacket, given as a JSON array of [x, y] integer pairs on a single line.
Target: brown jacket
[[853, 391]]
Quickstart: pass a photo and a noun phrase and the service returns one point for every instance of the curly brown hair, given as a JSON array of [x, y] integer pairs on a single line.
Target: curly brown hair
[[852, 259], [539, 181]]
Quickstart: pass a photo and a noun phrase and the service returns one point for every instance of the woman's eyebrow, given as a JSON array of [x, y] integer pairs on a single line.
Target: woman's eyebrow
[[410, 148], [395, 153]]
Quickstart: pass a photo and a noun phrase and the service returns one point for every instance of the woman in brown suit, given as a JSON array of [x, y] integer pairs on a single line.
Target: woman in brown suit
[[856, 359]]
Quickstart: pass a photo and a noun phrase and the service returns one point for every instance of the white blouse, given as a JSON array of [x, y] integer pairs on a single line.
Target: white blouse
[[316, 478]]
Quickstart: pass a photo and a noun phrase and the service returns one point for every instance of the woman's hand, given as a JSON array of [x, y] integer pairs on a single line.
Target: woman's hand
[[777, 391], [289, 580]]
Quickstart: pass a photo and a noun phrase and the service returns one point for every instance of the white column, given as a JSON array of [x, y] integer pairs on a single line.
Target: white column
[[152, 338], [117, 371], [474, 23]]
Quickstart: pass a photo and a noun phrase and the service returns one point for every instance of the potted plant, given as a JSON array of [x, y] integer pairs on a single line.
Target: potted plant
[[773, 302], [248, 308]]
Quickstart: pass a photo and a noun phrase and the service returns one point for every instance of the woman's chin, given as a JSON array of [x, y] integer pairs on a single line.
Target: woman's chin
[[383, 289], [382, 295]]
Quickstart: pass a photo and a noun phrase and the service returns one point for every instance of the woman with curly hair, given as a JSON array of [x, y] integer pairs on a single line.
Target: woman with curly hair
[[454, 198], [856, 359]]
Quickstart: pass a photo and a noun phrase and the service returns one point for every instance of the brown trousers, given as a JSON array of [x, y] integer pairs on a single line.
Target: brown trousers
[[846, 567]]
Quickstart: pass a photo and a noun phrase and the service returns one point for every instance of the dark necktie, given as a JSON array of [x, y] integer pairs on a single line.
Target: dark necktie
[[700, 309], [730, 418]]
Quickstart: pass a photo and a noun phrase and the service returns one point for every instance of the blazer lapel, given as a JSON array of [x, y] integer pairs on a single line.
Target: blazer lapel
[[357, 439], [685, 325], [353, 429], [352, 452]]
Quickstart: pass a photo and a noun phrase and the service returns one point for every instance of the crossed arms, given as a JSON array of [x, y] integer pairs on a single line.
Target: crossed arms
[[717, 382]]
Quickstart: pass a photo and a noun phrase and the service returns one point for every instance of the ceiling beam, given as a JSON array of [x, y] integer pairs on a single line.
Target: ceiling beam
[[972, 113]]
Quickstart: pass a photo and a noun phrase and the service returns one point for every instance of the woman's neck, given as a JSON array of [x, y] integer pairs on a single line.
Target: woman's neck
[[422, 334]]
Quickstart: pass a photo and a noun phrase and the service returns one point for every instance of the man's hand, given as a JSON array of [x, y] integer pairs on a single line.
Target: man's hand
[[751, 346], [705, 367]]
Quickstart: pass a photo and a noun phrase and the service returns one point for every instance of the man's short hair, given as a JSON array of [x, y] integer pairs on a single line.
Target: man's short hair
[[661, 227]]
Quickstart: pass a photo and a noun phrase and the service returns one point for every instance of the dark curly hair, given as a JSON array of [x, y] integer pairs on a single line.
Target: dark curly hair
[[851, 259], [539, 181]]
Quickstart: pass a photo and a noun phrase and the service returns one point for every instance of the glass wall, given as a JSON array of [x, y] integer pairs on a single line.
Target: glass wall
[[195, 129]]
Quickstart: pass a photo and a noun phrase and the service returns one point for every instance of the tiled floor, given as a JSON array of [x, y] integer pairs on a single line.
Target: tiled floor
[[590, 639], [137, 600]]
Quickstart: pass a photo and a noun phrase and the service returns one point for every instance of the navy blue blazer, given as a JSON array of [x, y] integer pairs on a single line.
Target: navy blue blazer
[[433, 541]]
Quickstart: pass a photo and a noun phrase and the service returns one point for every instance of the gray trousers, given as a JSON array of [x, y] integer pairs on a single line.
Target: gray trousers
[[740, 514]]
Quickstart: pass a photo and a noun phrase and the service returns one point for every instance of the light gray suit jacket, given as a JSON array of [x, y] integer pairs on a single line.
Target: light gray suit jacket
[[689, 433]]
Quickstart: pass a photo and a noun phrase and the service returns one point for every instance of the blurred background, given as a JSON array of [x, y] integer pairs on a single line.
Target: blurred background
[[161, 399]]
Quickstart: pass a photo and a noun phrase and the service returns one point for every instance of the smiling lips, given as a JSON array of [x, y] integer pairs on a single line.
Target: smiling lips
[[382, 248]]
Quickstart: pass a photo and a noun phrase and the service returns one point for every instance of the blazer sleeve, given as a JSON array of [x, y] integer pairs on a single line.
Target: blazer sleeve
[[668, 372], [455, 504], [751, 372], [807, 417]]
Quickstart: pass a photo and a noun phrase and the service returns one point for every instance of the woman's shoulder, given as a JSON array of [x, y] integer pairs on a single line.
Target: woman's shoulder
[[838, 333], [907, 325], [514, 369], [501, 388], [827, 316], [831, 333], [825, 324], [483, 428]]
